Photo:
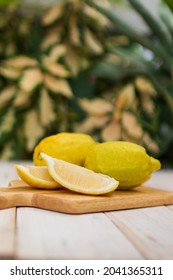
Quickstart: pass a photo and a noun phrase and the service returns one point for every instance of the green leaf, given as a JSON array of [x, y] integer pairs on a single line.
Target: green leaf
[[114, 72], [166, 15], [158, 29], [169, 3], [9, 3], [7, 122], [133, 58], [157, 48]]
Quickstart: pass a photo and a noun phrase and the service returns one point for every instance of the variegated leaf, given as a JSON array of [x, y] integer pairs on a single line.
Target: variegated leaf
[[58, 86], [112, 58], [7, 152], [9, 73], [22, 98], [85, 63], [30, 79], [146, 91], [74, 32], [126, 137], [148, 104], [131, 125], [53, 14], [52, 38], [73, 61], [126, 98], [119, 40], [97, 106], [145, 86], [92, 43], [8, 122], [57, 52], [96, 16], [32, 129], [150, 143], [55, 68], [91, 123], [104, 3], [46, 107], [21, 62], [111, 132], [7, 94]]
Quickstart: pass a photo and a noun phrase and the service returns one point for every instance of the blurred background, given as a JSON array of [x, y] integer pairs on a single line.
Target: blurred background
[[104, 68]]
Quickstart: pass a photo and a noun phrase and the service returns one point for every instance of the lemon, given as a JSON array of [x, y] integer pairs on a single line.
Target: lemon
[[36, 176], [71, 147], [125, 161], [79, 179]]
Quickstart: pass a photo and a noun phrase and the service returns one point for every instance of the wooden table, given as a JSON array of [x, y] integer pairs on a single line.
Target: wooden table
[[30, 233]]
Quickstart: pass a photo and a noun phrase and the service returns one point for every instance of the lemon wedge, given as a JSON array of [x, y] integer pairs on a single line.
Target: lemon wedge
[[36, 176], [79, 179]]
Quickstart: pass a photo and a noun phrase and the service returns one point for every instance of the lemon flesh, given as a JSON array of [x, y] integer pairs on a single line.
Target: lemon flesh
[[36, 176], [71, 147], [127, 162], [79, 179]]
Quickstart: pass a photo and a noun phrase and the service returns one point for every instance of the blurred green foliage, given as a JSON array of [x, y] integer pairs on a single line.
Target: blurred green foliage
[[9, 3], [79, 67], [169, 3]]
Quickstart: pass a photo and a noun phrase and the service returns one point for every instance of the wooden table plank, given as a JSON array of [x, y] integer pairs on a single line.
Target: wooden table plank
[[162, 179], [7, 233], [129, 234], [7, 216], [49, 235], [149, 229], [7, 171]]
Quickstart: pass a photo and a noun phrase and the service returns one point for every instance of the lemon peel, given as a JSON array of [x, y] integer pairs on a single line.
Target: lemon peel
[[36, 176], [127, 162], [71, 147]]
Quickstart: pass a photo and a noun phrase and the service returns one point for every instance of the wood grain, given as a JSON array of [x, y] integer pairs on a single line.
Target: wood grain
[[7, 233], [131, 234], [66, 201], [149, 229], [50, 235], [7, 216]]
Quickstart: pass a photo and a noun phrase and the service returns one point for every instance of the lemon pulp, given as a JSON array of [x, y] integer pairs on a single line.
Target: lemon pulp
[[79, 179]]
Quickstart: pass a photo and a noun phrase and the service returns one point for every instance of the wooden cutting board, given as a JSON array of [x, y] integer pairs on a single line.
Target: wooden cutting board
[[63, 200]]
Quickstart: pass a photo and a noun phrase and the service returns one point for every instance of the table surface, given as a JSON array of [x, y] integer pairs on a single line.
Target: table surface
[[31, 233]]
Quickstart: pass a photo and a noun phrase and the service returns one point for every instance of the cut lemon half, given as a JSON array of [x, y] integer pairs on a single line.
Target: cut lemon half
[[36, 176], [79, 179]]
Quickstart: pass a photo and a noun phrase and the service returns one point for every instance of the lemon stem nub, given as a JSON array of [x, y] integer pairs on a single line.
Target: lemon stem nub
[[155, 163]]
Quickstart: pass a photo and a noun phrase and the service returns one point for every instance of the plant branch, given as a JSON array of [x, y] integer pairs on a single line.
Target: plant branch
[[162, 33], [156, 48]]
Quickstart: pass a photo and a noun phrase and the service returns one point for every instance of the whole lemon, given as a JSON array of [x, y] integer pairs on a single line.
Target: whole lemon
[[127, 162], [71, 147]]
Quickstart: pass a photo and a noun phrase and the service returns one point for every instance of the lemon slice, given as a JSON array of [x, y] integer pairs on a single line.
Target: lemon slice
[[36, 176], [79, 179]]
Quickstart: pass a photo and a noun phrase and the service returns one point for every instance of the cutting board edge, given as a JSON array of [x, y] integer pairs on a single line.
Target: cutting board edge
[[70, 206], [73, 203]]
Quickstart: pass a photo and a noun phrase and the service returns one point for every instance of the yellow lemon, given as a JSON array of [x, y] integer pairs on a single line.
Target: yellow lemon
[[125, 161], [71, 147], [79, 179], [36, 176]]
